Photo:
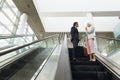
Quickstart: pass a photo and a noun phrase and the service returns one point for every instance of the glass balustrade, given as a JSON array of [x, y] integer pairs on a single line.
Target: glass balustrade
[[48, 43], [9, 42], [109, 48]]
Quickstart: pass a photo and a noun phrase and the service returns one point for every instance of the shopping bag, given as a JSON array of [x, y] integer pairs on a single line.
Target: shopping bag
[[85, 51]]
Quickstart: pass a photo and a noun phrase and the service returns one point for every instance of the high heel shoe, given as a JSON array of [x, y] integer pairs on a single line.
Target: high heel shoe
[[90, 60], [93, 59]]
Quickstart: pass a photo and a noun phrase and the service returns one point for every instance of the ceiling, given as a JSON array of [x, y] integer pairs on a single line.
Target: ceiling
[[27, 6], [59, 15]]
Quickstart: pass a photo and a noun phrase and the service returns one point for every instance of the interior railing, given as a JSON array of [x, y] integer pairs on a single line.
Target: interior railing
[[57, 65], [107, 51], [8, 41], [9, 55], [13, 36], [107, 46]]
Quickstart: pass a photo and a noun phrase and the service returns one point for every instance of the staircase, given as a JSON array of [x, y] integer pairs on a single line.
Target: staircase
[[83, 69]]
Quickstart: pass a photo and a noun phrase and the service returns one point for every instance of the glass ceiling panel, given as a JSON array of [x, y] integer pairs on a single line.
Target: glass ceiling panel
[[3, 30], [30, 30], [7, 10], [10, 27], [11, 3], [13, 6], [77, 5], [63, 24], [4, 19]]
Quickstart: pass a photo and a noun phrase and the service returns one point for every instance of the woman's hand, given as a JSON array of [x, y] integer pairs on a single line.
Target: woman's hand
[[86, 28]]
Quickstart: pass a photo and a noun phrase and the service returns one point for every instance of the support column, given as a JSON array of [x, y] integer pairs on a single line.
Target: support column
[[22, 26]]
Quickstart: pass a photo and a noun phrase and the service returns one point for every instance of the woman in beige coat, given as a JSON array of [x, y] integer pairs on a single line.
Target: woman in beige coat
[[90, 30]]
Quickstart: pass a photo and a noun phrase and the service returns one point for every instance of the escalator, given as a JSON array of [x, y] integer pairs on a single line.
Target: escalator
[[83, 69], [23, 62], [25, 68], [58, 67]]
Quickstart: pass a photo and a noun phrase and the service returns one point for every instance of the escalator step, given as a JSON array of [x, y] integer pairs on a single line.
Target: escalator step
[[102, 76], [84, 79], [85, 74], [90, 75], [86, 68], [84, 63], [83, 69]]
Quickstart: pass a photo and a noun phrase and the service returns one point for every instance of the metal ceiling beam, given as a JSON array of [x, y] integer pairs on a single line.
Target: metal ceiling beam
[[27, 6]]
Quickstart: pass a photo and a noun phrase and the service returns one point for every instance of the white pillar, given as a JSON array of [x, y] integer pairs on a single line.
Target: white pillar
[[22, 26]]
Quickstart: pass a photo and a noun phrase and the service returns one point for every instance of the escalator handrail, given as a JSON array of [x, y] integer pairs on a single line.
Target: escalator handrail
[[58, 63], [107, 38], [111, 65], [64, 70], [22, 46], [14, 36]]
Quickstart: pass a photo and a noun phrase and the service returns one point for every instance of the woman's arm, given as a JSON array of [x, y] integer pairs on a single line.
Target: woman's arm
[[91, 30]]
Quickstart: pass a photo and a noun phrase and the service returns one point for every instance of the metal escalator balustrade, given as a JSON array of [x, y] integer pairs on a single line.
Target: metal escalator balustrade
[[109, 47], [108, 50], [57, 67], [8, 41], [2, 52], [14, 54], [83, 69], [103, 69]]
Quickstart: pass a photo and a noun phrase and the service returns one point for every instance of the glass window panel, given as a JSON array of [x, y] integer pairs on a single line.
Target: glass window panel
[[30, 30], [22, 29], [15, 10], [4, 43], [3, 30], [35, 38], [116, 30], [29, 39], [10, 27], [19, 41], [11, 3], [4, 19], [7, 10], [26, 27], [0, 1]]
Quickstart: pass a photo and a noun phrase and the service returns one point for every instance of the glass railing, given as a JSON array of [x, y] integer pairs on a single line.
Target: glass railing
[[48, 42], [56, 40], [9, 41], [109, 47]]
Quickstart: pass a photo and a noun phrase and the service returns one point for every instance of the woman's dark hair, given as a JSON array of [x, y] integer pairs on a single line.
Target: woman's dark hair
[[75, 23]]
